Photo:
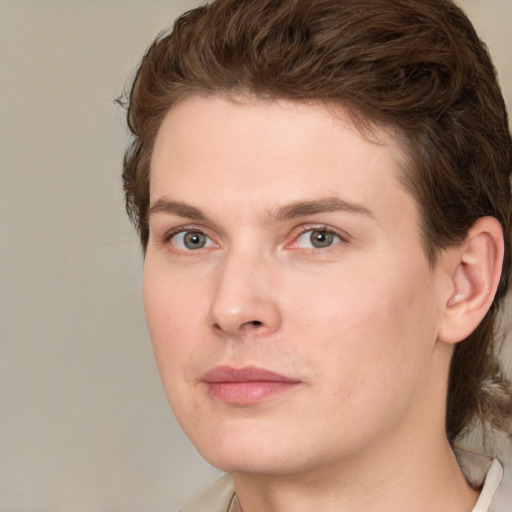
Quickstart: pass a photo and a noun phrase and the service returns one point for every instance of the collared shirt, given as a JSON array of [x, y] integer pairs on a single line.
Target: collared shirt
[[479, 471]]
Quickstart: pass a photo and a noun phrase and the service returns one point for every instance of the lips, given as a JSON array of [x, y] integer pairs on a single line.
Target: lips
[[246, 386]]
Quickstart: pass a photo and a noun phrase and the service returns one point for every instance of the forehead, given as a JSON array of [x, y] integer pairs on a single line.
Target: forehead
[[273, 138]]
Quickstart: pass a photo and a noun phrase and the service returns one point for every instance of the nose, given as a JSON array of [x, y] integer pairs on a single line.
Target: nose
[[244, 300]]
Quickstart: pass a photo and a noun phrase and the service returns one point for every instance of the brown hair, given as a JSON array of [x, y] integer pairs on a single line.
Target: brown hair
[[415, 65]]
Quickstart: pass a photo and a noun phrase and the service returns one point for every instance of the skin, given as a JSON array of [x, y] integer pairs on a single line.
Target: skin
[[355, 322]]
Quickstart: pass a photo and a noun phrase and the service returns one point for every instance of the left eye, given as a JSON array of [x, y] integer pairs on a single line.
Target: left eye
[[191, 240], [317, 239]]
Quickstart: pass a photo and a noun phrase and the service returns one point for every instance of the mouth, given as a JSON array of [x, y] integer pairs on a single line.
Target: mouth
[[246, 386]]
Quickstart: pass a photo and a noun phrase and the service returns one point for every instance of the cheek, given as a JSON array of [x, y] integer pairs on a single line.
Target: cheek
[[171, 310], [337, 323], [371, 324]]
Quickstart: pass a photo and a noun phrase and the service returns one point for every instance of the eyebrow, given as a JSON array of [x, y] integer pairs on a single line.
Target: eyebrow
[[323, 205], [279, 213], [177, 208]]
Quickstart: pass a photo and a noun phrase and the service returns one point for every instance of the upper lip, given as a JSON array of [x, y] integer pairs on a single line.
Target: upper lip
[[245, 374]]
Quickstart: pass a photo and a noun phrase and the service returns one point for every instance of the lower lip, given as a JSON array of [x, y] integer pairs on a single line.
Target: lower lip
[[247, 393]]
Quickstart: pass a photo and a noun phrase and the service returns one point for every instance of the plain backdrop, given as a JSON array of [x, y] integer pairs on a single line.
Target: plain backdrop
[[84, 423]]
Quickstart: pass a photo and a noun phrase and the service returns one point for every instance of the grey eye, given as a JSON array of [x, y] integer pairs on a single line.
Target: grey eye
[[191, 240], [194, 240], [317, 239], [320, 239]]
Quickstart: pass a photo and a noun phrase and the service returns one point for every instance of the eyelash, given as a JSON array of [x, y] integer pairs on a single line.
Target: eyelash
[[343, 237], [167, 236]]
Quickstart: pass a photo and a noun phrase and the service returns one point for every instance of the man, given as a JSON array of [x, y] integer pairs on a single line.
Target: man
[[322, 192]]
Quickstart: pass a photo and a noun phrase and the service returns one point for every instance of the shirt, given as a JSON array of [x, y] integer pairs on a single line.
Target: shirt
[[479, 471]]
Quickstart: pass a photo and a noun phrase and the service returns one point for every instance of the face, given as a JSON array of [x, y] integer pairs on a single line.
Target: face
[[291, 306]]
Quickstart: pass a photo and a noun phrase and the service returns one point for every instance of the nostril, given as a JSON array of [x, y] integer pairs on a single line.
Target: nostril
[[256, 323]]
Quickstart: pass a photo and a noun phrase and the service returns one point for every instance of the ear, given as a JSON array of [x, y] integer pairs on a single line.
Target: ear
[[475, 270]]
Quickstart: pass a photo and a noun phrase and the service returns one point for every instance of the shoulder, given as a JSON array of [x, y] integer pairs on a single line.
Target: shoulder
[[216, 498], [502, 499], [493, 477]]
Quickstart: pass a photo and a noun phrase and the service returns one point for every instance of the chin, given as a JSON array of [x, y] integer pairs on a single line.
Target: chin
[[256, 453], [251, 462], [246, 457]]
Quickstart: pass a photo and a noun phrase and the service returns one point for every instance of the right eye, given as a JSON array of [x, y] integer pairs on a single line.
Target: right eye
[[191, 240]]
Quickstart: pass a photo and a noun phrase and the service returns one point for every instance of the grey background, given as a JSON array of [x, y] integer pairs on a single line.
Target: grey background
[[84, 424]]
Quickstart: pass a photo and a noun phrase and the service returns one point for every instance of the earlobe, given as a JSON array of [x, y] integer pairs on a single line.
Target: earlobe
[[475, 274]]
